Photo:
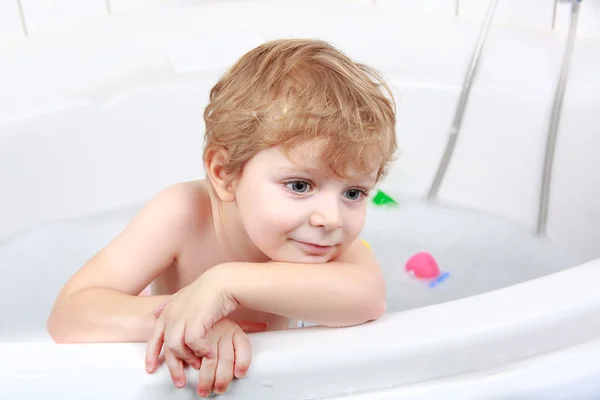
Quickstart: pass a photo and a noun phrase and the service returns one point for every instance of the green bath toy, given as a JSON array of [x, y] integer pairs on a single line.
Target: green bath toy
[[381, 199]]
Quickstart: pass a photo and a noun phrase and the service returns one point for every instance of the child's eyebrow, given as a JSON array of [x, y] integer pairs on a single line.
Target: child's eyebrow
[[365, 180], [301, 169]]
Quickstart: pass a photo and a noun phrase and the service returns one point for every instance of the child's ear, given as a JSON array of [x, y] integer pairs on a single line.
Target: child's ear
[[221, 181]]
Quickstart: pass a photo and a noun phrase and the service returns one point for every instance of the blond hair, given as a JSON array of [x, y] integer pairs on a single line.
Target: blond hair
[[287, 92]]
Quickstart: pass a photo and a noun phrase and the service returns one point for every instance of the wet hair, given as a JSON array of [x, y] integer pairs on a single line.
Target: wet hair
[[288, 92]]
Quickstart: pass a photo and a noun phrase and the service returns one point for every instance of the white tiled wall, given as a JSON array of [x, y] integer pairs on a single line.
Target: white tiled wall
[[506, 119], [10, 21], [589, 18], [117, 6], [439, 7], [536, 14], [42, 16], [574, 214]]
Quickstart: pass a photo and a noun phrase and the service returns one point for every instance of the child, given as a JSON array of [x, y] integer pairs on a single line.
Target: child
[[297, 135]]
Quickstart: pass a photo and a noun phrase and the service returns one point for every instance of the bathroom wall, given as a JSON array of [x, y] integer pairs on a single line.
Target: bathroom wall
[[20, 19], [100, 101], [31, 18]]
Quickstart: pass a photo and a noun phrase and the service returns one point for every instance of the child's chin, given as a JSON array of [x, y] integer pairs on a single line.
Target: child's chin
[[302, 258]]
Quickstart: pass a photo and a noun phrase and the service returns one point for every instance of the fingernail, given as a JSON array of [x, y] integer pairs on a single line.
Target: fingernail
[[203, 394], [240, 374], [178, 382], [148, 367]]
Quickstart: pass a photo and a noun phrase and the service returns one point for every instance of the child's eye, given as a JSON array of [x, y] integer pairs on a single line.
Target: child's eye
[[354, 194], [298, 186]]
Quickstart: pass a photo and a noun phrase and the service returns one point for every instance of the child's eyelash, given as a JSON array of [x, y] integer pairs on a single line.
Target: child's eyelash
[[360, 189], [364, 192], [296, 181]]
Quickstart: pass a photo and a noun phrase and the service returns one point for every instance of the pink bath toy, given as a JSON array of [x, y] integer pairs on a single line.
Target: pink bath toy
[[423, 266]]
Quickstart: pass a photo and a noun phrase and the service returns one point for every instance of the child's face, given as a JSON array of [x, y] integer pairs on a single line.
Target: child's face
[[294, 211]]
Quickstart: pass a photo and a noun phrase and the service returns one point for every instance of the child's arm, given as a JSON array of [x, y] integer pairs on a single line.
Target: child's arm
[[347, 291], [343, 292], [100, 303]]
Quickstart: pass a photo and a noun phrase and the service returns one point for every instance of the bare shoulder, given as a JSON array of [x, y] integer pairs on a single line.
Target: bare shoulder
[[180, 209], [359, 253], [189, 201], [186, 193], [151, 243]]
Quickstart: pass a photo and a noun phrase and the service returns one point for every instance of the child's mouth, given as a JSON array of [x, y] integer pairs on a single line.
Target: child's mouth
[[314, 249]]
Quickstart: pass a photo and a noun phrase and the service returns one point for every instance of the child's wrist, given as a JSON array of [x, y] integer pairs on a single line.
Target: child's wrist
[[226, 278], [220, 277]]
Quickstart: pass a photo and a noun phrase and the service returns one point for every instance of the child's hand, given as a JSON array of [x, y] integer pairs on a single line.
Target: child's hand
[[183, 325], [232, 355], [185, 320]]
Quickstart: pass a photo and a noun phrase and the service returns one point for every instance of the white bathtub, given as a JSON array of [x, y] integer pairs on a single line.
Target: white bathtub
[[97, 118]]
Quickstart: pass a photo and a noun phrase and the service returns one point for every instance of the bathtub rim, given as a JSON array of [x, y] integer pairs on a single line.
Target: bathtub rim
[[476, 333]]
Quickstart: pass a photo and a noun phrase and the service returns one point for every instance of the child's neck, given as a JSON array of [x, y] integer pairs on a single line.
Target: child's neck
[[231, 233]]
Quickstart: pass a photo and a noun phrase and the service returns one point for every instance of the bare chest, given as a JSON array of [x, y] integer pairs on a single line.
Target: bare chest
[[195, 259]]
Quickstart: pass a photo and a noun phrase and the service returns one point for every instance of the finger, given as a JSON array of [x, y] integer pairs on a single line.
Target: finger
[[175, 343], [224, 372], [175, 369], [197, 341], [154, 345], [206, 377], [243, 354], [183, 352], [186, 354], [253, 326]]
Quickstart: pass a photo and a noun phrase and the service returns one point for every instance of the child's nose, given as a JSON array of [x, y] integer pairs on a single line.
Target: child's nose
[[328, 216]]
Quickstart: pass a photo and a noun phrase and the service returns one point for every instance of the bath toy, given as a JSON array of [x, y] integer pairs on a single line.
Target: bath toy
[[381, 199], [423, 266], [441, 278]]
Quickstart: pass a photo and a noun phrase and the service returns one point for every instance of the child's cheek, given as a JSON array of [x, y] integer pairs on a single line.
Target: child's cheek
[[354, 222]]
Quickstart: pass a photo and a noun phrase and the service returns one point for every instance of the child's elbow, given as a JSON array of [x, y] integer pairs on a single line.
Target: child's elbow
[[375, 300], [56, 330], [376, 308], [60, 325]]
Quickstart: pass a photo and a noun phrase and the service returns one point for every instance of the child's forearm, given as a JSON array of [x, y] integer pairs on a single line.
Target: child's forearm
[[103, 315], [332, 294]]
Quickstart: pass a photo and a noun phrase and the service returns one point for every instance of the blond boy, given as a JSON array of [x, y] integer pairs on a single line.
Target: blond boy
[[297, 135]]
